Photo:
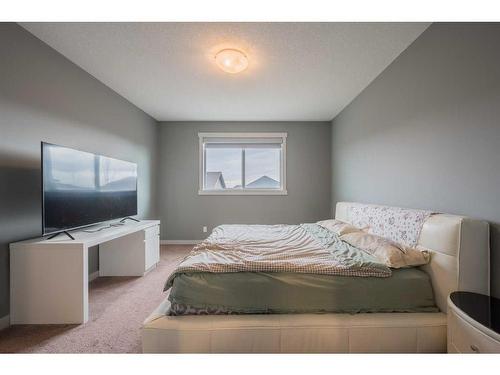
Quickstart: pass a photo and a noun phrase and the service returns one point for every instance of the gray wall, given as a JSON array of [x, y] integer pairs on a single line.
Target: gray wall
[[426, 132], [183, 212], [45, 97]]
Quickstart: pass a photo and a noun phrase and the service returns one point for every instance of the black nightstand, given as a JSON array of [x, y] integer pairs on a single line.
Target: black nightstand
[[473, 323]]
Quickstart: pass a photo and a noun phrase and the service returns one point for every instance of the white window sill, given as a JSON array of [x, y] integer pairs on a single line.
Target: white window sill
[[243, 192]]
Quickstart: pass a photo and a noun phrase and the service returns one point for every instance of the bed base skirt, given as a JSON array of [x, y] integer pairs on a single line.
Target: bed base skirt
[[294, 333]]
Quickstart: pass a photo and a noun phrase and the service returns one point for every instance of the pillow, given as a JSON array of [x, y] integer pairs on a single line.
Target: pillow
[[338, 227], [392, 254]]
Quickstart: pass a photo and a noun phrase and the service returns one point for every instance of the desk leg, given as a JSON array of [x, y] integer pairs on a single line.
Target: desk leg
[[49, 284]]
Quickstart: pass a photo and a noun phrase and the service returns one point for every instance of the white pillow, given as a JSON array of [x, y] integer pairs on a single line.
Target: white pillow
[[390, 253], [338, 227]]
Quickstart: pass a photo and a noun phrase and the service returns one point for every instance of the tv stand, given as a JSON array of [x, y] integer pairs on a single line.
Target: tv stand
[[58, 233], [129, 218], [49, 277]]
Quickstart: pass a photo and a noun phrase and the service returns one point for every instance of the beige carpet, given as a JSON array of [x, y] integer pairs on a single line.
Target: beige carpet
[[118, 306]]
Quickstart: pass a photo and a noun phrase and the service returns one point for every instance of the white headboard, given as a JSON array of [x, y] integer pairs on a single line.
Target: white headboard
[[460, 253]]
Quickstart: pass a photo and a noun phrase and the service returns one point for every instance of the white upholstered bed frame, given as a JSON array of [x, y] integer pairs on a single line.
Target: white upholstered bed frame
[[459, 261]]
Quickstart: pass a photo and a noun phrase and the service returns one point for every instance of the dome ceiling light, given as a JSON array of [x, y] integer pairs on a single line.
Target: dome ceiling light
[[231, 60]]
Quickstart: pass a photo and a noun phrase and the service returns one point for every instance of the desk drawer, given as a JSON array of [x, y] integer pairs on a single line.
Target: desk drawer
[[152, 232], [152, 246]]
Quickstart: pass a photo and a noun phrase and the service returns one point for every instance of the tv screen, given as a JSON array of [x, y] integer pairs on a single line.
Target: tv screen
[[80, 188]]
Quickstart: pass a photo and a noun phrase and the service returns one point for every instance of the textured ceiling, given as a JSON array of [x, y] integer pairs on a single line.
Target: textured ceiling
[[297, 72]]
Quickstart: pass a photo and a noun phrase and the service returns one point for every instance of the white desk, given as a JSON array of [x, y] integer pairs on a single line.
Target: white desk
[[49, 278]]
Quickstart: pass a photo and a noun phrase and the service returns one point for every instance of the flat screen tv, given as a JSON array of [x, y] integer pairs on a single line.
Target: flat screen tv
[[80, 188]]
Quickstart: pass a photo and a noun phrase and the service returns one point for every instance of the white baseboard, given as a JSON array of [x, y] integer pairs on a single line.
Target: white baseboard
[[5, 322], [93, 275], [180, 242]]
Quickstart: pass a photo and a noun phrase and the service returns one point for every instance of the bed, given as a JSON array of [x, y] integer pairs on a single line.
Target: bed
[[459, 250]]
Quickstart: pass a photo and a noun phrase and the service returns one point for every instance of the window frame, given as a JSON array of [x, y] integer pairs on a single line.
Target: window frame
[[243, 191]]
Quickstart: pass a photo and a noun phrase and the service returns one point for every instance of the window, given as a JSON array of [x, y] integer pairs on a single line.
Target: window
[[242, 163]]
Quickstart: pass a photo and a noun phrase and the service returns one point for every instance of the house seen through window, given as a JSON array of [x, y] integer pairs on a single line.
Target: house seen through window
[[242, 163]]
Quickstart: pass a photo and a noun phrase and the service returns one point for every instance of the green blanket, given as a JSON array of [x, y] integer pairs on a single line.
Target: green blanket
[[407, 290]]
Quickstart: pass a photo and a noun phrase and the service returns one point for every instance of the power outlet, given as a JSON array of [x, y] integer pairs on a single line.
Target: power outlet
[[204, 229]]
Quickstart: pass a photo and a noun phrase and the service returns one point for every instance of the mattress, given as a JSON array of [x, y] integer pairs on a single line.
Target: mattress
[[407, 290]]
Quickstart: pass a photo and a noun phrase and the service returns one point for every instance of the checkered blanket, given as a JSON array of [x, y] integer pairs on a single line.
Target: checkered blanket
[[306, 248]]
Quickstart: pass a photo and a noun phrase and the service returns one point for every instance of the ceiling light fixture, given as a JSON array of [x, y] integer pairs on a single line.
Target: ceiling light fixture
[[231, 60]]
